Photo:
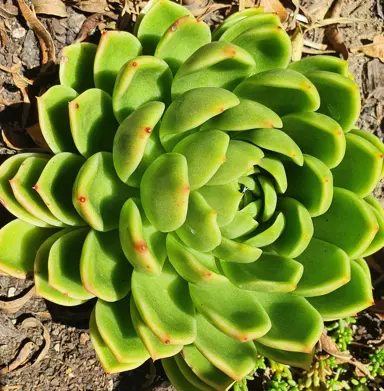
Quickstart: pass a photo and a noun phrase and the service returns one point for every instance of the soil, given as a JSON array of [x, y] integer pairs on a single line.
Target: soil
[[71, 363]]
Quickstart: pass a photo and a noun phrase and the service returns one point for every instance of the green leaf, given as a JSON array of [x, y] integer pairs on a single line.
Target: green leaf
[[141, 80], [23, 187], [273, 140], [76, 66], [154, 346], [326, 268], [236, 252], [93, 124], [200, 230], [195, 267], [217, 64], [142, 244], [316, 135], [320, 63], [240, 159], [64, 265], [270, 273], [205, 370], [282, 90], [295, 359], [233, 311], [296, 325], [224, 199], [274, 167], [19, 242], [165, 306], [116, 328], [362, 159], [349, 223], [181, 40], [191, 110], [236, 359], [354, 296], [378, 242], [43, 289], [269, 196], [205, 153], [298, 229], [155, 20], [98, 194], [314, 175], [115, 48], [245, 116], [7, 171], [132, 138], [55, 186], [242, 224], [107, 359], [165, 192], [364, 265], [54, 118], [105, 272], [339, 97]]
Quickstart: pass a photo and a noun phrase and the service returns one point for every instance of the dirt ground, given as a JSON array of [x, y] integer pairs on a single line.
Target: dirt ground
[[70, 363]]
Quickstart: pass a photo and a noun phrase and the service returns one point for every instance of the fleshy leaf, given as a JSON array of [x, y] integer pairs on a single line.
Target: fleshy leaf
[[282, 90], [76, 66], [54, 118], [270, 273], [181, 40], [93, 124], [354, 296], [115, 48], [132, 138], [141, 80], [165, 192], [105, 272], [378, 241], [349, 223], [236, 252], [165, 306], [326, 268], [242, 224], [274, 167], [98, 193], [270, 197], [320, 63], [19, 242]]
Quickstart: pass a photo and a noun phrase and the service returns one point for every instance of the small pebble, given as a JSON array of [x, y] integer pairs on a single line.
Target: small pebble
[[11, 291], [84, 338], [18, 33], [57, 347]]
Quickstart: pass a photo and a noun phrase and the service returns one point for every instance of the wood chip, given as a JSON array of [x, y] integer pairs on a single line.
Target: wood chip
[[45, 40], [374, 49], [276, 7], [201, 13], [12, 306], [93, 6], [50, 7]]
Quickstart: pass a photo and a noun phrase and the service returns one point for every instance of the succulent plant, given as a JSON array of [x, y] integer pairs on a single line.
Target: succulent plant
[[214, 198]]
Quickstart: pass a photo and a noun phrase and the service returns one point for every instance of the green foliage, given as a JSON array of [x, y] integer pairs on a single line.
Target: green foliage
[[205, 194]]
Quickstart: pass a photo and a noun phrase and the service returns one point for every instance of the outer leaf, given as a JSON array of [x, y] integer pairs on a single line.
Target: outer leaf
[[317, 135], [349, 223], [378, 241], [283, 91], [98, 193], [236, 359], [54, 118], [326, 268], [19, 242], [351, 298], [165, 306], [105, 272], [76, 66], [55, 186], [233, 311], [115, 48], [141, 80], [132, 138], [321, 63], [217, 64], [270, 273], [181, 40], [116, 328], [165, 192], [232, 251], [242, 224], [93, 124], [284, 310]]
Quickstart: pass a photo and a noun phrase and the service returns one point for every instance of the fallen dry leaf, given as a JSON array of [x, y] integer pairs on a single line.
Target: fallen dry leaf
[[21, 359], [330, 21], [297, 40], [93, 6], [50, 7], [8, 11], [12, 306], [374, 49], [88, 27], [276, 7], [336, 39], [203, 12]]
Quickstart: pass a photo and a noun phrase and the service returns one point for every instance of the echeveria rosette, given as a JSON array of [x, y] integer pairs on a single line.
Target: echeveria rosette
[[214, 198]]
